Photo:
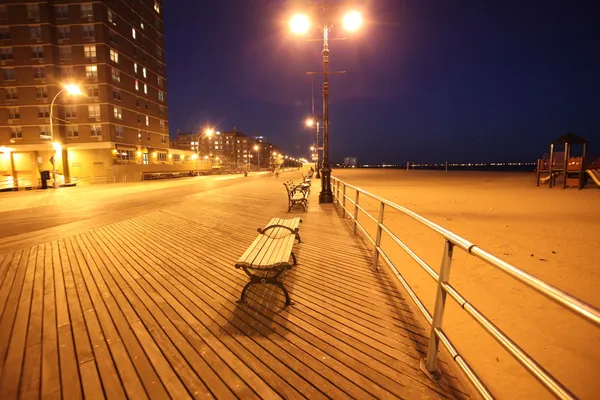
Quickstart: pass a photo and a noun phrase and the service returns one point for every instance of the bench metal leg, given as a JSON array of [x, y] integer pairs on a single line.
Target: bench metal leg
[[256, 279]]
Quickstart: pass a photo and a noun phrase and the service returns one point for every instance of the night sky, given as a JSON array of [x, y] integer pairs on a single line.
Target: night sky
[[426, 81]]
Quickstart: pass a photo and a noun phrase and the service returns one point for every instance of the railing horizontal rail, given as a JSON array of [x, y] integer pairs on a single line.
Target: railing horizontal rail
[[578, 307]]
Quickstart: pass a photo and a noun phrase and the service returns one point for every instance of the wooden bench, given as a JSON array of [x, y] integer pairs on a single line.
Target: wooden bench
[[269, 255], [297, 196]]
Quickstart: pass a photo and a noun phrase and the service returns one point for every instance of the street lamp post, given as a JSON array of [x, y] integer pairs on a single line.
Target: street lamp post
[[201, 135], [316, 121], [256, 148], [300, 24], [72, 90]]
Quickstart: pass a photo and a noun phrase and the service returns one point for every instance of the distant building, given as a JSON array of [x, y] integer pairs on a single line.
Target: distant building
[[350, 162]]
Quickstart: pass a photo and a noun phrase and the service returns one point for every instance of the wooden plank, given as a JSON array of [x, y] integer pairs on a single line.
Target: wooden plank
[[124, 318], [10, 279], [98, 292], [31, 375], [69, 370], [110, 382], [13, 360], [50, 379]]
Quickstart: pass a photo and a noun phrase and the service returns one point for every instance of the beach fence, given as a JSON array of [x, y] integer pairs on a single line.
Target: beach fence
[[371, 216]]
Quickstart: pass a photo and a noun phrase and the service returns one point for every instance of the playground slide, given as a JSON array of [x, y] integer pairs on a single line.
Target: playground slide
[[547, 178], [594, 174]]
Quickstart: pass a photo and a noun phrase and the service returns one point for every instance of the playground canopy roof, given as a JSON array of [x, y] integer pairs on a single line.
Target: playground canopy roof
[[569, 138]]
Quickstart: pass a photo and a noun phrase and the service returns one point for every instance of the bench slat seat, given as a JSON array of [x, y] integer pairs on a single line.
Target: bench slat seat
[[269, 254]]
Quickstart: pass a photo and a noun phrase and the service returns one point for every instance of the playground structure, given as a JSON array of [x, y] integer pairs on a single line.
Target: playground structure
[[572, 170]]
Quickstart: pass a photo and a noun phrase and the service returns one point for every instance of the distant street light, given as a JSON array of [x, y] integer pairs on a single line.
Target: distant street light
[[310, 122], [300, 24], [73, 90], [256, 148]]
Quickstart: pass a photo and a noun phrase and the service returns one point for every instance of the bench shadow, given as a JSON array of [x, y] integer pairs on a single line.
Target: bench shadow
[[264, 311]]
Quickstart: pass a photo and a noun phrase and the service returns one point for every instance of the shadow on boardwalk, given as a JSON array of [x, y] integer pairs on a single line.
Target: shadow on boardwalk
[[146, 308]]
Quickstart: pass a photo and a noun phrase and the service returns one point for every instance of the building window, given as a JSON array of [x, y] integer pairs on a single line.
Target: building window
[[45, 132], [137, 85], [133, 34], [163, 139], [62, 12], [125, 155], [35, 32], [41, 92], [89, 51], [33, 11], [139, 118], [64, 53], [162, 157], [112, 36], [142, 25], [63, 32], [159, 52], [135, 68], [72, 131], [114, 56], [39, 72], [67, 72], [119, 131], [176, 157], [6, 53], [37, 52], [91, 71], [70, 111], [92, 91], [160, 81], [145, 88], [137, 102], [162, 125], [94, 111], [9, 74], [118, 112], [43, 112], [111, 18], [146, 105], [156, 6], [161, 110], [147, 120], [148, 136], [116, 93], [144, 72], [13, 113], [4, 33], [87, 31], [134, 51], [16, 132], [11, 94], [87, 11], [161, 96], [116, 75], [95, 130]]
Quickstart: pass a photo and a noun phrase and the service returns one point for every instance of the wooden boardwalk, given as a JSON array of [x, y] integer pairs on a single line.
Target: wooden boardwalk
[[146, 308]]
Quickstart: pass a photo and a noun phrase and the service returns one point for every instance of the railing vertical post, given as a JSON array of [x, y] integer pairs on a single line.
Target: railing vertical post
[[337, 191], [378, 239], [438, 312], [356, 210], [344, 198]]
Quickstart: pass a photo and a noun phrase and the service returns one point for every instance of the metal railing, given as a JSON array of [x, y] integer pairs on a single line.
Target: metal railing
[[444, 288]]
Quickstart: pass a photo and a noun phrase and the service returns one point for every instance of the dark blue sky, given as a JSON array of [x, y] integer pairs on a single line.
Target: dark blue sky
[[426, 80]]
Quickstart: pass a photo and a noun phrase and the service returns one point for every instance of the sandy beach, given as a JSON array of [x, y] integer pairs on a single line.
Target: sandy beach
[[552, 234]]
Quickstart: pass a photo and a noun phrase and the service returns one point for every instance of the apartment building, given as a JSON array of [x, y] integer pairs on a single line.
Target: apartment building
[[113, 51]]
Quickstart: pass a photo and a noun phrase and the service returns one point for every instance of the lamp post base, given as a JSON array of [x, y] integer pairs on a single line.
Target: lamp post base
[[326, 196]]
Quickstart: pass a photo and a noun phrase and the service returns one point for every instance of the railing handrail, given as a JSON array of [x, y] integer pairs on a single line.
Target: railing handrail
[[573, 304]]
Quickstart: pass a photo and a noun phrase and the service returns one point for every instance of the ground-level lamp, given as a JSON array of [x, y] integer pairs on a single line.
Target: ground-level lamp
[[300, 24], [73, 90]]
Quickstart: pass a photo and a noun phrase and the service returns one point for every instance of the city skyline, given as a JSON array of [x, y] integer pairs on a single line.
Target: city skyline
[[427, 82]]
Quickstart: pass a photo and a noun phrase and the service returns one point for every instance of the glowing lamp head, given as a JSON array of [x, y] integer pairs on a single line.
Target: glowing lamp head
[[209, 131], [310, 122], [352, 21], [72, 89], [299, 24], [256, 147]]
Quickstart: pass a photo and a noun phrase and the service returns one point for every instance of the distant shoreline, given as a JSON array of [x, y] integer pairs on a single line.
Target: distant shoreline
[[489, 167]]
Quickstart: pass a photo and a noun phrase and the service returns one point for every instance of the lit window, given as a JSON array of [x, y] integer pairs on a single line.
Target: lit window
[[116, 75], [156, 6], [163, 139], [137, 85], [133, 33], [91, 71], [118, 112], [95, 130], [111, 18], [161, 96], [89, 51], [45, 132], [147, 120], [144, 72], [94, 111], [145, 88], [114, 56], [142, 25], [135, 68]]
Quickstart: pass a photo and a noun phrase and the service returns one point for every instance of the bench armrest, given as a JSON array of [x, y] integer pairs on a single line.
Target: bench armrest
[[292, 231]]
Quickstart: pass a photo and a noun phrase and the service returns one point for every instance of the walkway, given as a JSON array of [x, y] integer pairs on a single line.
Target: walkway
[[145, 308]]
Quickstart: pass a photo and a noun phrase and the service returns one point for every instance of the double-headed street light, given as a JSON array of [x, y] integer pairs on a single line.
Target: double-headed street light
[[300, 24], [73, 90]]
